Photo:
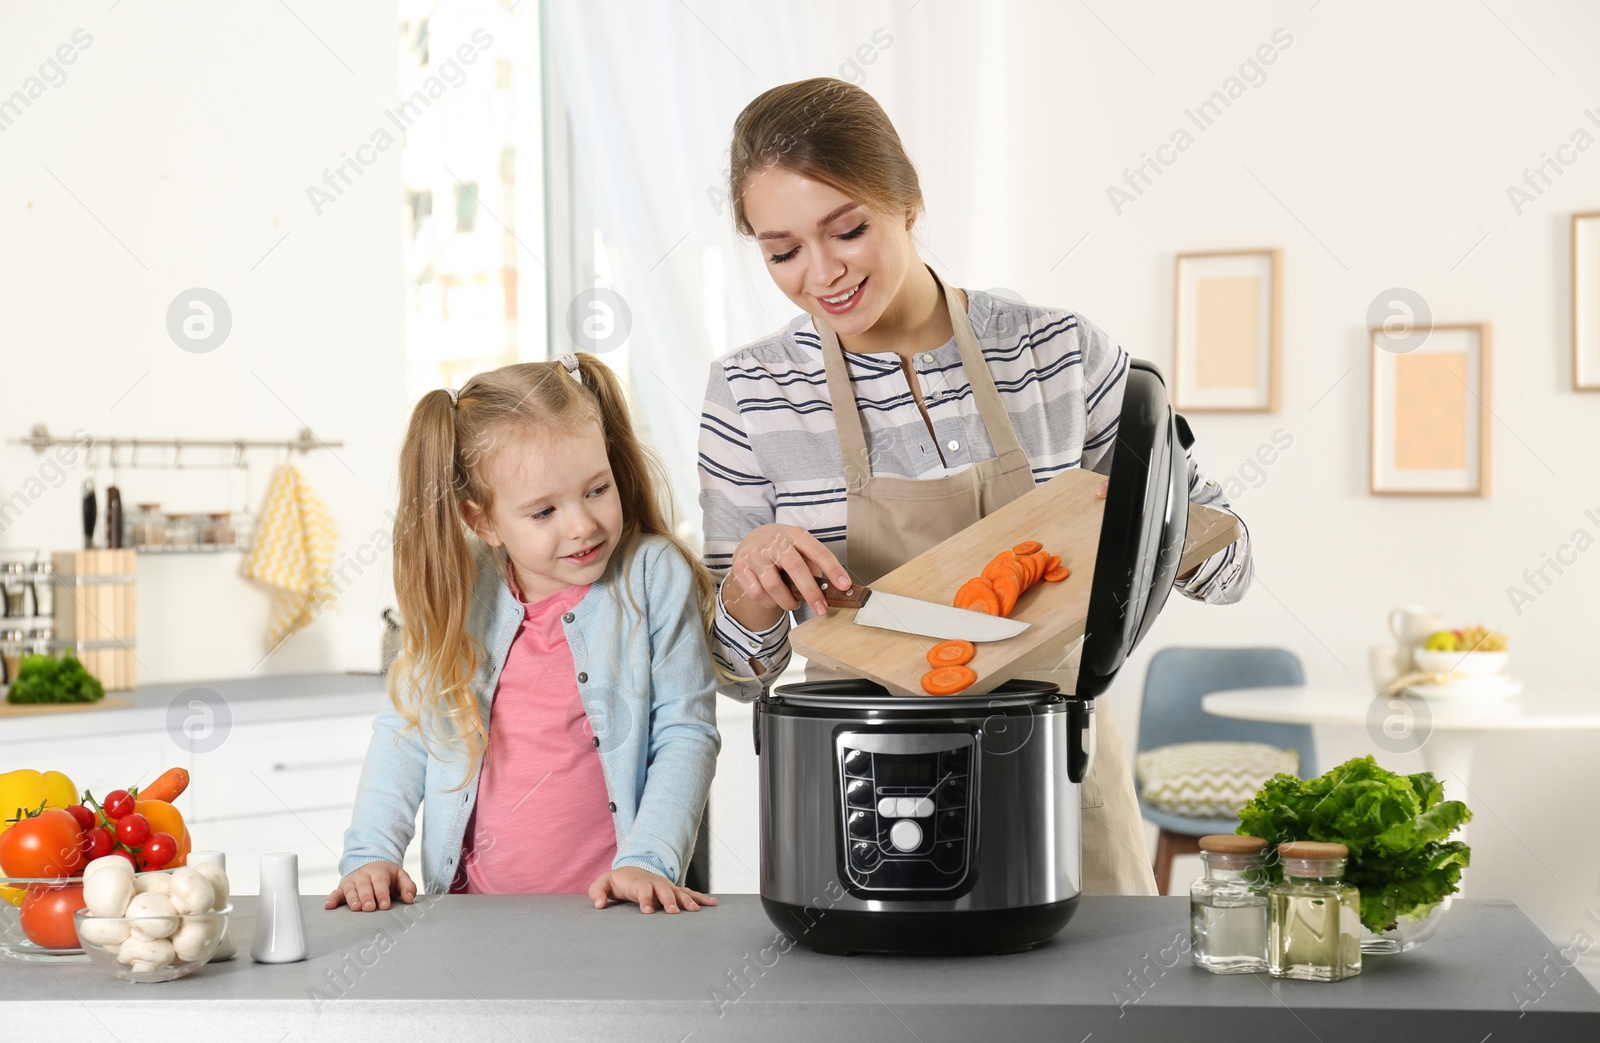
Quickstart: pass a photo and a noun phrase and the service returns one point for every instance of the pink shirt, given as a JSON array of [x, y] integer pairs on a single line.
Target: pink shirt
[[542, 824]]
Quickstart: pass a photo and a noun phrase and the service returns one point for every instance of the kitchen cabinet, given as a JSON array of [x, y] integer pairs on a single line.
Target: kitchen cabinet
[[275, 770]]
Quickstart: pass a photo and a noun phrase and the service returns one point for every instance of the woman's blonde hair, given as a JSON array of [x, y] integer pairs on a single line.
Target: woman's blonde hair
[[448, 448], [828, 130]]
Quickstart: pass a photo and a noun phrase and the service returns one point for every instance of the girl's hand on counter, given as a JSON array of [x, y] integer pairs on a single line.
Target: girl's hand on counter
[[370, 887], [646, 890]]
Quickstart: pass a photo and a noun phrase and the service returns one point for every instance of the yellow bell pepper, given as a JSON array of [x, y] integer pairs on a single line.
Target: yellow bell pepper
[[27, 789], [24, 790]]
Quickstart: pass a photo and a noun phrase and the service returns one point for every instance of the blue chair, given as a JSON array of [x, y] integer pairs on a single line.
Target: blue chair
[[1171, 713]]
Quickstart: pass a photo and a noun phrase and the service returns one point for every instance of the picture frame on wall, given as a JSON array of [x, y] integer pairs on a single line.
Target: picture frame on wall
[[1227, 322], [1586, 301], [1430, 413]]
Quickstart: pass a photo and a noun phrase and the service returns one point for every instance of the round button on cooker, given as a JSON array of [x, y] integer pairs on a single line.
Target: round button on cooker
[[905, 835]]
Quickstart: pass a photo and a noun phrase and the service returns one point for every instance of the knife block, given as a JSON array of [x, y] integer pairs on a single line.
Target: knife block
[[94, 612]]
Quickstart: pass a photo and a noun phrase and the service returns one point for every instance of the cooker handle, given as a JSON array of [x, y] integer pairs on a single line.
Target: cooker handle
[[1081, 747], [755, 720]]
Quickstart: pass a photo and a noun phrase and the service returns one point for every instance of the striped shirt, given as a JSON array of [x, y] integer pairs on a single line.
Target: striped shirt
[[769, 449]]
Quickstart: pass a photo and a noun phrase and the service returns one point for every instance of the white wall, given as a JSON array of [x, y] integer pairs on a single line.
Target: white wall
[[176, 154]]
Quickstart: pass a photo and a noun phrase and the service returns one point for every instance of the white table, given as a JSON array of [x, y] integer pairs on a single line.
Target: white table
[[1446, 732]]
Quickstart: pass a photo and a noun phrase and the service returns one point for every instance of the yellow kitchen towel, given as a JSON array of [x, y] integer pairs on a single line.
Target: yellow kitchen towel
[[293, 553]]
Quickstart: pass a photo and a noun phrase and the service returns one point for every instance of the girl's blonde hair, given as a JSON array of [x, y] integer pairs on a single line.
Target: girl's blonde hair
[[828, 130], [444, 461]]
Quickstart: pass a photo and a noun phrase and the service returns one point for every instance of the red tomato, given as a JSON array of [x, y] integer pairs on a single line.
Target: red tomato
[[47, 845], [160, 849], [47, 916], [86, 818], [117, 804], [133, 829], [97, 843]]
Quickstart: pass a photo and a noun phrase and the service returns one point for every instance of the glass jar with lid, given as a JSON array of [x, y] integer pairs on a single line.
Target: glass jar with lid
[[146, 527], [219, 529], [1313, 916], [14, 576], [1228, 906], [44, 591], [13, 643], [182, 531]]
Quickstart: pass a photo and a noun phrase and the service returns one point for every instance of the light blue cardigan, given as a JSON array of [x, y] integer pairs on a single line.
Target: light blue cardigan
[[648, 687]]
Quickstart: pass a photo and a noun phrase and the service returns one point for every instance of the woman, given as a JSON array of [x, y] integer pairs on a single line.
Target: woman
[[894, 412]]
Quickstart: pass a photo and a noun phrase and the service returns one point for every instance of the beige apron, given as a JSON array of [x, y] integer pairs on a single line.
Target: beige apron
[[892, 520]]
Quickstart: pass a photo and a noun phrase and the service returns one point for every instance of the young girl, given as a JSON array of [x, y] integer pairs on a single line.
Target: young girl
[[552, 706]]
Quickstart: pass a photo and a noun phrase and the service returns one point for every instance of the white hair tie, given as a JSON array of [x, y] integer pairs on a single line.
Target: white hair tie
[[570, 361], [452, 393]]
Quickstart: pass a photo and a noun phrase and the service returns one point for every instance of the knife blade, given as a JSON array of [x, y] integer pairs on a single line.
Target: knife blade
[[885, 611]]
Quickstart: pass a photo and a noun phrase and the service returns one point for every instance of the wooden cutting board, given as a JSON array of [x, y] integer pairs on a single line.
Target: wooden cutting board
[[1064, 514]]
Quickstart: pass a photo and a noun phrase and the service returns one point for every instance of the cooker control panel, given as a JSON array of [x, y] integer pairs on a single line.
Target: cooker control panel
[[907, 809]]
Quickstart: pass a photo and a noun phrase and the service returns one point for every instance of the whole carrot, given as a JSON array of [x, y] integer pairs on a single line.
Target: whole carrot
[[167, 786]]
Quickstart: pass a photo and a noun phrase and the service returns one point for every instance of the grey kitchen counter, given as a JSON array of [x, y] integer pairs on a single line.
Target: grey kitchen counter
[[524, 967]]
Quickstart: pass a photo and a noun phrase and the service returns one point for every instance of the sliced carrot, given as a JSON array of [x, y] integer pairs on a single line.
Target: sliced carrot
[[1057, 574], [1026, 547], [1055, 559], [951, 653], [948, 680], [978, 596], [1008, 590], [998, 562]]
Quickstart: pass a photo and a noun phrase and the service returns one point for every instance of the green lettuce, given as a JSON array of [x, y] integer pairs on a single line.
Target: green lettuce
[[1396, 827]]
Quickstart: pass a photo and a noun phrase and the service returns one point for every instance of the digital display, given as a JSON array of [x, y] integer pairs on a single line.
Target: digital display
[[897, 770]]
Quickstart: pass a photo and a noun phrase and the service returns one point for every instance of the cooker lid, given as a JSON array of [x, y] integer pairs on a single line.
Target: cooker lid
[[861, 694]]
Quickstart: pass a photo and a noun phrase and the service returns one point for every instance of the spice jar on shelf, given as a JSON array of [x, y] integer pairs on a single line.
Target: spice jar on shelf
[[182, 531], [219, 529], [44, 594], [14, 577], [13, 643], [147, 528]]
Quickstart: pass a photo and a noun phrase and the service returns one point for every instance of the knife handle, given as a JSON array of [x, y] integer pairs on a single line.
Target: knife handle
[[855, 597]]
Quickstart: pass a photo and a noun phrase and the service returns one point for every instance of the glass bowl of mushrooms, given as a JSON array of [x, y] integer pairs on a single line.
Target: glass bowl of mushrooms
[[150, 927]]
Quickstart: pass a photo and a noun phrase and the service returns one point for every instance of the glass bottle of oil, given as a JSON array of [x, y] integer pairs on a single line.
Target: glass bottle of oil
[[1313, 916], [1228, 906]]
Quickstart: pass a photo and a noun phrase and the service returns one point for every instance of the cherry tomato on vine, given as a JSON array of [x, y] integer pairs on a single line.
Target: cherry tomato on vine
[[86, 818], [160, 849], [133, 829], [97, 843], [117, 804]]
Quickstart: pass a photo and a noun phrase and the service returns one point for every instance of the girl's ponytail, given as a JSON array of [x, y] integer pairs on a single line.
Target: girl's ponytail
[[434, 576]]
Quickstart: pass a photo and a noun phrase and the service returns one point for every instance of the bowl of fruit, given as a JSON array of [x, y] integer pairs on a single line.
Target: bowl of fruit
[[1474, 651], [147, 927], [49, 836]]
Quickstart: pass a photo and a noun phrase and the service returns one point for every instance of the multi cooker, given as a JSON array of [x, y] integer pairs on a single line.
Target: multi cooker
[[952, 824]]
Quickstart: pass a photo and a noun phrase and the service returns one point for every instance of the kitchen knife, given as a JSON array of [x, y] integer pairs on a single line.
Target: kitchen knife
[[885, 611], [90, 509]]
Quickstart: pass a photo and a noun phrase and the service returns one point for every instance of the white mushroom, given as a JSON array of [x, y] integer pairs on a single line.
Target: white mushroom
[[107, 932], [145, 954], [197, 935], [117, 862], [190, 892], [218, 880], [152, 915], [159, 883], [107, 893]]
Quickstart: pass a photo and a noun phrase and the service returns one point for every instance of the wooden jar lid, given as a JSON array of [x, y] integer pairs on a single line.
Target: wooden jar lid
[[1313, 850], [1232, 844]]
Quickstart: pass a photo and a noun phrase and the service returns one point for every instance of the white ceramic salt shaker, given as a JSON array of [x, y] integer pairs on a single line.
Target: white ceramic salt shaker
[[229, 946], [280, 935]]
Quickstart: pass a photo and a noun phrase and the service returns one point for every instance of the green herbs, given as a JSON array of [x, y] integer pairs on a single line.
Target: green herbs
[[1394, 825], [46, 679]]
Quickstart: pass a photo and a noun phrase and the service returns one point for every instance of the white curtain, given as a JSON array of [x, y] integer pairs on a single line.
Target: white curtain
[[648, 91]]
